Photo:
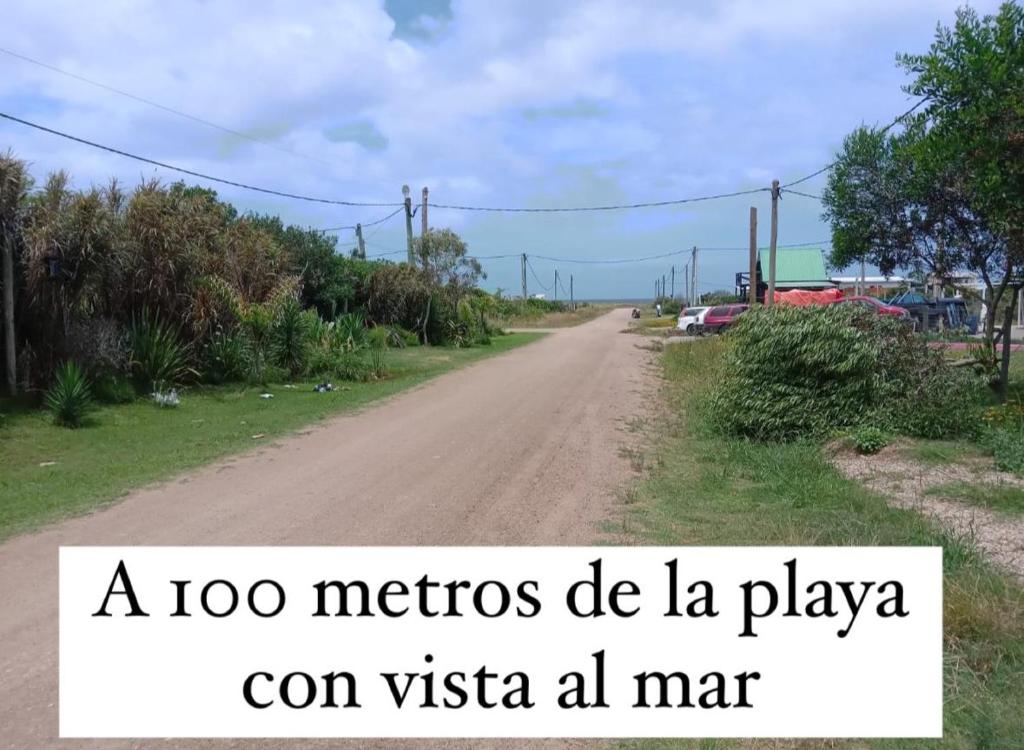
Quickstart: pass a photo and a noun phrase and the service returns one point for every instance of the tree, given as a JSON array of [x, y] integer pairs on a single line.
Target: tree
[[444, 257], [946, 192]]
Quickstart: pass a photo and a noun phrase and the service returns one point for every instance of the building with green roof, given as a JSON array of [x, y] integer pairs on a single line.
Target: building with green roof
[[795, 268]]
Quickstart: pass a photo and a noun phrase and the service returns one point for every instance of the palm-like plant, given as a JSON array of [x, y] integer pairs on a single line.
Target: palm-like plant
[[158, 355], [70, 397]]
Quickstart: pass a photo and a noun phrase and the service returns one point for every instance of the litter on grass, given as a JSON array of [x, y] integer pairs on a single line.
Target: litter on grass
[[323, 387]]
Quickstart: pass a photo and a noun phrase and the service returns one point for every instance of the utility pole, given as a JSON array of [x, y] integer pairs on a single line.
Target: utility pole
[[359, 238], [663, 286], [753, 256], [555, 287], [7, 247], [693, 279], [770, 296], [572, 296], [673, 282], [425, 227], [863, 278], [408, 223], [524, 275]]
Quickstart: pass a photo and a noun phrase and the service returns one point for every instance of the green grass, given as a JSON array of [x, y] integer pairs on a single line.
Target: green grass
[[121, 447], [1005, 498], [566, 319], [706, 489]]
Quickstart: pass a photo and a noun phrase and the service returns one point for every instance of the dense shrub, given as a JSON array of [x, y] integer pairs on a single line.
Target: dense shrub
[[869, 440], [1007, 446], [225, 358], [100, 346], [795, 372], [111, 389], [158, 355], [70, 399], [290, 337]]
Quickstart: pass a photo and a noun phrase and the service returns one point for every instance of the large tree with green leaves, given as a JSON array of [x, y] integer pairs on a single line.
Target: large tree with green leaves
[[946, 191]]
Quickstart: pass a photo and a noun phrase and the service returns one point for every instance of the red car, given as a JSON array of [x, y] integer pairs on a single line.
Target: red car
[[875, 305], [721, 317]]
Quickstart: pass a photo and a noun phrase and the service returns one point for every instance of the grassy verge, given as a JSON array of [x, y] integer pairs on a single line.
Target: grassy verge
[[556, 319], [1007, 499], [707, 489], [48, 472]]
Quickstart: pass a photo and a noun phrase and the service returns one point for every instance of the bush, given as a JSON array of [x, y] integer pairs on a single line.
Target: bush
[[1007, 446], [69, 399], [378, 341], [290, 337], [110, 389], [99, 346], [158, 356], [804, 372], [225, 358], [352, 366], [869, 440]]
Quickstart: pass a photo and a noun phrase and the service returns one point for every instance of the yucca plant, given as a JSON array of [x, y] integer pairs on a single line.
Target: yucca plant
[[350, 332], [290, 336], [158, 355], [70, 398]]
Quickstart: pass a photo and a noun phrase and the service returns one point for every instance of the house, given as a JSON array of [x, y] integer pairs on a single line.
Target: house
[[795, 268]]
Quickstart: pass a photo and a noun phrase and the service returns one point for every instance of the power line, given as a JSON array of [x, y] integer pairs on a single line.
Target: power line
[[610, 260], [804, 195], [190, 172], [543, 286], [611, 207], [158, 105], [365, 225]]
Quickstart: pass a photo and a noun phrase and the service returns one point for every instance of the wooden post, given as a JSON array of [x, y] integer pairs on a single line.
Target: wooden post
[[359, 239], [686, 284], [524, 275], [693, 283], [863, 278], [770, 296], [424, 226], [752, 291], [555, 287], [572, 296], [10, 360], [673, 282], [408, 223]]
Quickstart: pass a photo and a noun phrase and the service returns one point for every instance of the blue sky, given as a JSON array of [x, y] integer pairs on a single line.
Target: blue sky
[[526, 103]]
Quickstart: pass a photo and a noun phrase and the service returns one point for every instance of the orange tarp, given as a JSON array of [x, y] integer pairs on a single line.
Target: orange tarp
[[801, 298]]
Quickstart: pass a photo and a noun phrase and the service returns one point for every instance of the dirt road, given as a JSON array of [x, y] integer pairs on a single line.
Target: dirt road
[[524, 448]]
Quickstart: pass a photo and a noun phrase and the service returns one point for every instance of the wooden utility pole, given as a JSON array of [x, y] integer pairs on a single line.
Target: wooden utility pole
[[408, 223], [686, 284], [572, 296], [753, 256], [555, 287], [769, 298], [10, 361], [863, 278], [523, 260], [663, 286], [359, 238], [693, 272], [673, 282], [425, 227]]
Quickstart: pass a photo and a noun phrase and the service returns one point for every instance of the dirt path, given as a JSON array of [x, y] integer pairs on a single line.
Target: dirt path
[[907, 483], [524, 448]]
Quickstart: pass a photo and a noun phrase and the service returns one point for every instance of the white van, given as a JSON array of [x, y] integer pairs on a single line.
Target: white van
[[690, 318]]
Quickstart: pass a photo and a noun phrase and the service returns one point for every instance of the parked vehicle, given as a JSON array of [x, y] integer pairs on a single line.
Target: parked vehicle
[[691, 318], [719, 318], [875, 305], [947, 313]]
